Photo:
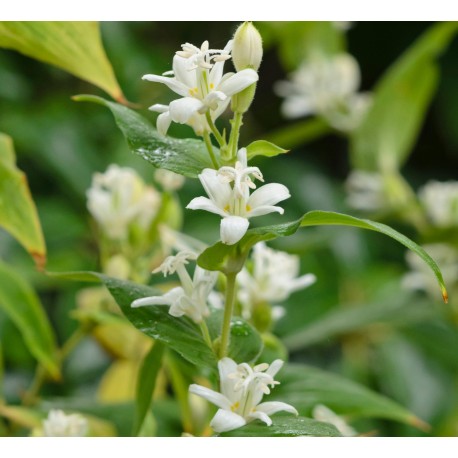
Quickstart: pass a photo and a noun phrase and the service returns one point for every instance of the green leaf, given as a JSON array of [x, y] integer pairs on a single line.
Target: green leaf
[[304, 387], [401, 99], [245, 342], [230, 258], [18, 214], [187, 157], [263, 148], [283, 426], [75, 47], [146, 383], [180, 334], [23, 307]]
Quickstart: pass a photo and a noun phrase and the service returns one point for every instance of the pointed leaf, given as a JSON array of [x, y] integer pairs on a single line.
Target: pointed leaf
[[23, 307], [263, 148], [401, 99], [74, 46], [187, 157], [231, 257], [18, 214], [304, 387], [285, 427]]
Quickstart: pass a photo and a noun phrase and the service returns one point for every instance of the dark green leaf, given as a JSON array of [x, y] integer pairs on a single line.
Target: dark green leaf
[[304, 387], [146, 383], [18, 214], [263, 148], [389, 131], [23, 307], [285, 427], [187, 157], [179, 334], [245, 342], [227, 258], [74, 46]]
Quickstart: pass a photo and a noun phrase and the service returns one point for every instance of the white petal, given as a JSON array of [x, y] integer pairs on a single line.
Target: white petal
[[233, 228], [264, 210], [167, 299], [163, 123], [297, 106], [202, 203], [226, 367], [220, 193], [172, 83], [269, 194], [182, 73], [275, 367], [225, 420], [181, 110], [272, 407], [212, 396], [238, 82], [159, 108], [301, 282], [346, 73], [260, 416]]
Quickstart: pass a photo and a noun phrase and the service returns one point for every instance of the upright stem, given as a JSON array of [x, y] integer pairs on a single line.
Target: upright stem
[[209, 146], [228, 310], [206, 334], [235, 132], [214, 130]]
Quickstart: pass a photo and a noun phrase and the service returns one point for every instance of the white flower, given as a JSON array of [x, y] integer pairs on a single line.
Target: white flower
[[241, 391], [421, 278], [366, 191], [119, 198], [170, 181], [440, 200], [199, 80], [235, 204], [58, 424], [274, 278], [323, 413], [326, 87], [191, 297]]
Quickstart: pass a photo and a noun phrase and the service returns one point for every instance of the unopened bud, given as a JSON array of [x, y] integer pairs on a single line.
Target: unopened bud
[[247, 47]]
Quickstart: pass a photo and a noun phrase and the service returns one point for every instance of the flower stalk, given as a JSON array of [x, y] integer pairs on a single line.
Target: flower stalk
[[228, 310]]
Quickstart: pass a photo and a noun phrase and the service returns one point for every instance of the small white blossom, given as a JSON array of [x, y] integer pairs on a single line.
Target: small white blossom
[[119, 198], [366, 191], [191, 297], [440, 200], [241, 391], [323, 413], [420, 277], [234, 203], [326, 87], [58, 424], [170, 181], [273, 279], [198, 78]]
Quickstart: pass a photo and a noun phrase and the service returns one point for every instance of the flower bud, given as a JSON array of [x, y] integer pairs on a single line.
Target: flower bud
[[247, 47]]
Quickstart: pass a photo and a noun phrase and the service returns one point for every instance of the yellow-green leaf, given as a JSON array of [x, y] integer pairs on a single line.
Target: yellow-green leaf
[[74, 46], [18, 214], [24, 309]]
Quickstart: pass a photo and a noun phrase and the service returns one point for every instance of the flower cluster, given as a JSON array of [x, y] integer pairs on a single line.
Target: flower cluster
[[440, 200], [326, 86], [241, 391], [58, 424], [234, 203], [119, 199]]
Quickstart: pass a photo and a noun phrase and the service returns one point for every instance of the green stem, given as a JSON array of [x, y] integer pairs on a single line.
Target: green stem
[[214, 130], [209, 146], [206, 334], [228, 309], [30, 396], [237, 123]]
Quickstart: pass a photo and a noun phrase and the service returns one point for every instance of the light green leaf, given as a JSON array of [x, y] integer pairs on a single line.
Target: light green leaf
[[263, 148], [245, 343], [18, 214], [283, 426], [23, 307], [187, 157], [230, 258], [146, 383], [74, 46], [304, 387], [401, 99]]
